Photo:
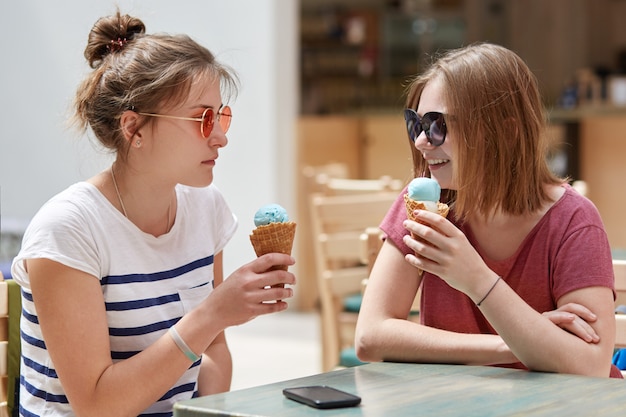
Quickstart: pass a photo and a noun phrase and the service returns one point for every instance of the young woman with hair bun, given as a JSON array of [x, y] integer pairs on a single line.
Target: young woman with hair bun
[[124, 299]]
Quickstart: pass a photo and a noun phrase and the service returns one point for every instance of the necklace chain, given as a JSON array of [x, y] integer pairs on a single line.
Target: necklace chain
[[119, 198], [117, 191]]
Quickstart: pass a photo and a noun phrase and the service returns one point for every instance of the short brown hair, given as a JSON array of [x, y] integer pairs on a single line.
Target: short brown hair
[[500, 129], [136, 71]]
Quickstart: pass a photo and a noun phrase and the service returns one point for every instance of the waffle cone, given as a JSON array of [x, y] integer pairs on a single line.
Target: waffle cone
[[274, 238], [412, 205]]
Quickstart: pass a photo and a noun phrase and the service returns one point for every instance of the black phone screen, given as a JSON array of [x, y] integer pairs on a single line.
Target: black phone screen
[[322, 396]]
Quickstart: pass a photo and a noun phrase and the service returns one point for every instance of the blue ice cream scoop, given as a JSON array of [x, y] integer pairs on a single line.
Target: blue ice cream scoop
[[424, 189], [270, 213]]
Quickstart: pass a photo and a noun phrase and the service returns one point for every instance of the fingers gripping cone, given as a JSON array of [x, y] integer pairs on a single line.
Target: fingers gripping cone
[[274, 238], [412, 205]]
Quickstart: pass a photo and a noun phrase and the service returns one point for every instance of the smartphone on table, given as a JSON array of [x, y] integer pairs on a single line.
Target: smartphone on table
[[322, 396]]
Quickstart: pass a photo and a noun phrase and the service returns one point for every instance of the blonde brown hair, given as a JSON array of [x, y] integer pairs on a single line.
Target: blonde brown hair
[[136, 71], [496, 114]]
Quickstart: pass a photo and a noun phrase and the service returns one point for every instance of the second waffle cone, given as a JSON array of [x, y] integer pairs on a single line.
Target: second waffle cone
[[274, 238]]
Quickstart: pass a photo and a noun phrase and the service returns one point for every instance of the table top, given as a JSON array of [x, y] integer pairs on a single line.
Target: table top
[[401, 389]]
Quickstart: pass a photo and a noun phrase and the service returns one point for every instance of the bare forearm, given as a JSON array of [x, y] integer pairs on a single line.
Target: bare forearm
[[217, 370], [402, 340], [145, 377], [540, 344], [134, 383]]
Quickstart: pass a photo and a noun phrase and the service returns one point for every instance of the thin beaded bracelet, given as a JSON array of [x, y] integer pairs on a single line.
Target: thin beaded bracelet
[[489, 292], [182, 345]]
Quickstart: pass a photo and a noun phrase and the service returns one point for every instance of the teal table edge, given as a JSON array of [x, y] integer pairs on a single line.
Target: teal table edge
[[400, 389]]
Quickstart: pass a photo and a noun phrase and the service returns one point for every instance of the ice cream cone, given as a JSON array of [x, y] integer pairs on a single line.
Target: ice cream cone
[[274, 238], [412, 205]]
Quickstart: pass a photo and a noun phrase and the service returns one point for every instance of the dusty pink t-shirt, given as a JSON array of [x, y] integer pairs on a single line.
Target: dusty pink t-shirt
[[567, 250]]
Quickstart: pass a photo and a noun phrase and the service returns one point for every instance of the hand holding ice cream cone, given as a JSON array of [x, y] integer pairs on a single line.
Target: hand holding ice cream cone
[[423, 194], [274, 232]]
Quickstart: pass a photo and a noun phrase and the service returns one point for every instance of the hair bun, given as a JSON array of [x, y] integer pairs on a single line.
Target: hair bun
[[111, 34]]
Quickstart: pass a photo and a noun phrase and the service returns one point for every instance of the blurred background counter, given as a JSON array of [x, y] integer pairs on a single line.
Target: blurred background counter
[[595, 140]]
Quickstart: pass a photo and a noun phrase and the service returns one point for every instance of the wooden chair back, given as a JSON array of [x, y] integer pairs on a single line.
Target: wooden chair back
[[341, 186], [10, 348], [338, 222], [307, 294], [310, 174], [619, 269], [372, 241], [4, 346], [329, 179]]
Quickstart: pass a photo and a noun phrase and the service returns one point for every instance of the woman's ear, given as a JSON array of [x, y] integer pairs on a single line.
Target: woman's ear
[[129, 125]]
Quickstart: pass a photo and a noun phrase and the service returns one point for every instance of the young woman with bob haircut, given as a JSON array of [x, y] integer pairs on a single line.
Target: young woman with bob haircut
[[520, 273]]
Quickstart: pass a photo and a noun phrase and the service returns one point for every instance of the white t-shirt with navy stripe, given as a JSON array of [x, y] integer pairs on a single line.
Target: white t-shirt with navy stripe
[[148, 282]]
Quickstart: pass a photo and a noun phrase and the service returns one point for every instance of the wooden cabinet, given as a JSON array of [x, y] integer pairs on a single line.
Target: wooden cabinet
[[326, 139], [603, 168], [386, 148], [595, 143], [371, 145]]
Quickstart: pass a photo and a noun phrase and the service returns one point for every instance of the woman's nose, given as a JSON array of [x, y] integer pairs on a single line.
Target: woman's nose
[[422, 142], [218, 138]]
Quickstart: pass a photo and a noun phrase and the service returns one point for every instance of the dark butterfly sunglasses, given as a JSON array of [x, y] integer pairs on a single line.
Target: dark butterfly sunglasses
[[432, 124]]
